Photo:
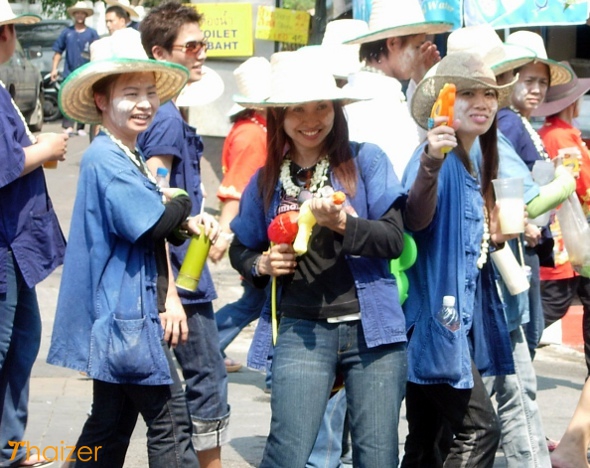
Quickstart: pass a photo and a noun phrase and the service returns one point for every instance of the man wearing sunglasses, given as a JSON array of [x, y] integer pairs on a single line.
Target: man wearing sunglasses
[[171, 32]]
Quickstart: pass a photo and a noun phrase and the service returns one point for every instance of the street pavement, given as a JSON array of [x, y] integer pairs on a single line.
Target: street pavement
[[60, 398]]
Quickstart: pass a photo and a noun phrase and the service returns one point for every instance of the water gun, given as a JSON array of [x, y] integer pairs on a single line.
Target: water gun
[[397, 266], [444, 106], [306, 222]]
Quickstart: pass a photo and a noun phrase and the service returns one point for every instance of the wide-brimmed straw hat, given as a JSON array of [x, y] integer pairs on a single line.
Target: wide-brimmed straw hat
[[297, 78], [559, 73], [7, 16], [76, 98], [253, 81], [561, 96], [390, 18], [484, 40], [81, 6], [465, 70], [132, 12]]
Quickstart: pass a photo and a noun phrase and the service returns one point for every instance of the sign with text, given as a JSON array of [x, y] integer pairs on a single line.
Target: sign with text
[[227, 28], [282, 25], [447, 11]]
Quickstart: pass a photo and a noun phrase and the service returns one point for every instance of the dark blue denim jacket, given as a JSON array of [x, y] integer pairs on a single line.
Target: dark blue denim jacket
[[446, 265], [378, 187]]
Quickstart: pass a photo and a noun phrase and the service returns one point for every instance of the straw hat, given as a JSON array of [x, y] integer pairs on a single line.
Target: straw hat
[[560, 96], [484, 40], [126, 55], [7, 16], [253, 80], [202, 92], [132, 12], [297, 78], [559, 73], [81, 6], [466, 71], [391, 19]]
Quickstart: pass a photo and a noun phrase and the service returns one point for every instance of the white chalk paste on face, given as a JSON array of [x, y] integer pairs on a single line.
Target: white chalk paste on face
[[121, 110]]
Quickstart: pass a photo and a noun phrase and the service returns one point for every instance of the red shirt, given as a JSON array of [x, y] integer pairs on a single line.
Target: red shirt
[[244, 151], [556, 134]]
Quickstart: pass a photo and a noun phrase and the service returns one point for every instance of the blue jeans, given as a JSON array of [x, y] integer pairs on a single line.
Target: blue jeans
[[307, 355], [205, 378], [232, 318], [115, 408], [20, 338], [327, 449], [523, 438], [534, 329]]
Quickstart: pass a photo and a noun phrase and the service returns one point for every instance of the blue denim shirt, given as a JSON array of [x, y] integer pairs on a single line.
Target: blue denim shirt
[[170, 135], [446, 265], [378, 187], [28, 224], [107, 322]]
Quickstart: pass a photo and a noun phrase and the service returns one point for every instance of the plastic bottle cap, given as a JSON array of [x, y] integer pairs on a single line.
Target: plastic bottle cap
[[449, 301], [162, 172]]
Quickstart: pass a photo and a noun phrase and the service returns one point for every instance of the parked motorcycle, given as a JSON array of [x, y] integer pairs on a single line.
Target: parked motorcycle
[[50, 91]]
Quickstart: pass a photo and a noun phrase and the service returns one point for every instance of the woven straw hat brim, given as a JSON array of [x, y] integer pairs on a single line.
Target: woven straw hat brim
[[427, 92], [427, 27], [562, 100], [88, 11], [22, 19], [559, 73], [76, 99]]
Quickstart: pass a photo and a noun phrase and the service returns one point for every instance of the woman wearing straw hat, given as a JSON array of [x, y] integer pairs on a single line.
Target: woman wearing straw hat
[[445, 388], [534, 79], [394, 49], [31, 247], [339, 307], [115, 271], [560, 285]]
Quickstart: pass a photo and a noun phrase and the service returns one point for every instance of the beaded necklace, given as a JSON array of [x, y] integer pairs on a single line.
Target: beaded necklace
[[535, 137], [32, 137], [132, 155], [370, 69], [253, 119], [485, 240]]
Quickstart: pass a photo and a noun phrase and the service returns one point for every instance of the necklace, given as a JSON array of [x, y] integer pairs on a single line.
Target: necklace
[[133, 156], [535, 138], [370, 69], [319, 177], [485, 240], [253, 119], [32, 137]]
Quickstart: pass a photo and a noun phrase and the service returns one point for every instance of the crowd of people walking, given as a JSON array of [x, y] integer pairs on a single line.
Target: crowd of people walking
[[330, 172]]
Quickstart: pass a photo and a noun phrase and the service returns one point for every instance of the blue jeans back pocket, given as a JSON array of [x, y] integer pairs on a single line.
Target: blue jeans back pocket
[[440, 354], [129, 351]]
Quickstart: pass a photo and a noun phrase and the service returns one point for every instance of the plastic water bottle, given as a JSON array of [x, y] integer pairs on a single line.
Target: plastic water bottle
[[161, 175], [448, 315]]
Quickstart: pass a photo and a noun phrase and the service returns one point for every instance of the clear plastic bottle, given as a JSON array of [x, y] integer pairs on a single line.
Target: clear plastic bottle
[[448, 315], [161, 180]]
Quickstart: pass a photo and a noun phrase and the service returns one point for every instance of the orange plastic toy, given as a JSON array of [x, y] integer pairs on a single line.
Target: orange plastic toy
[[444, 106]]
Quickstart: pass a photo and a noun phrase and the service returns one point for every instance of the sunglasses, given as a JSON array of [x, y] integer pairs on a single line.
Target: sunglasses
[[191, 47]]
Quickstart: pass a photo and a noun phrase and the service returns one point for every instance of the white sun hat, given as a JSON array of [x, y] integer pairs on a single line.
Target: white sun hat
[[202, 92], [343, 59], [297, 78], [484, 40], [253, 81], [76, 98], [131, 11], [85, 7], [560, 74], [7, 16], [392, 18]]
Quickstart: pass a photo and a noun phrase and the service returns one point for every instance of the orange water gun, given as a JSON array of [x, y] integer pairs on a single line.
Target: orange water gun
[[444, 107]]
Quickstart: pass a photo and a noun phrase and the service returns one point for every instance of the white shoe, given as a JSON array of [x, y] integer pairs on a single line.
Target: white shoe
[[82, 132]]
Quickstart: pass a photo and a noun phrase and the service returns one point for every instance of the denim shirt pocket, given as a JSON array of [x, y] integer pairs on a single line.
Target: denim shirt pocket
[[439, 353], [130, 351]]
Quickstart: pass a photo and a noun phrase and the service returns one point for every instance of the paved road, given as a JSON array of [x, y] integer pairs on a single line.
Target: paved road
[[60, 398]]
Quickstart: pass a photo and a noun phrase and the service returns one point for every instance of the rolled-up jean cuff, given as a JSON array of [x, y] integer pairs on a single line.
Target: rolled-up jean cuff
[[210, 433]]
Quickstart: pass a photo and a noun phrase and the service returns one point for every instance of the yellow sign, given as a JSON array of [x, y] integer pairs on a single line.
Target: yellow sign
[[281, 25], [227, 28]]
